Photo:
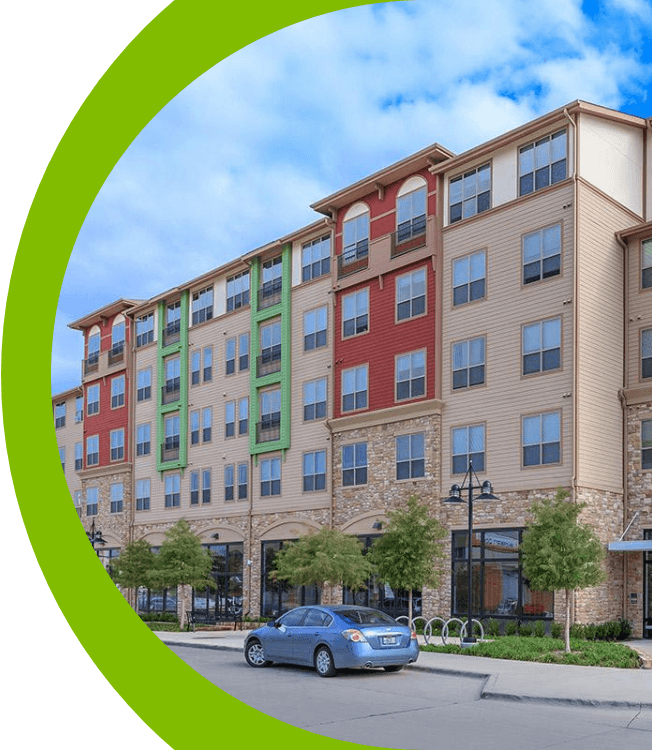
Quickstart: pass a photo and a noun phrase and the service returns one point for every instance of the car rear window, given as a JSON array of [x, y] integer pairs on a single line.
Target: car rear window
[[365, 617]]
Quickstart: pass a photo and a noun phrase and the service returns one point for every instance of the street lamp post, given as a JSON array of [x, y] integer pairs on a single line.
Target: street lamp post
[[95, 537], [455, 498]]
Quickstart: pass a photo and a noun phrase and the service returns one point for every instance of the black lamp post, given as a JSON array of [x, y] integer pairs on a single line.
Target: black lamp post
[[95, 537], [470, 483]]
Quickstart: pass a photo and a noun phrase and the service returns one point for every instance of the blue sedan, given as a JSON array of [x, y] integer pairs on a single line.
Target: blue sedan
[[329, 638]]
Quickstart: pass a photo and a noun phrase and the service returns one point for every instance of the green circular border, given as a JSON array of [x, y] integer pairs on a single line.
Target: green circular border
[[182, 42]]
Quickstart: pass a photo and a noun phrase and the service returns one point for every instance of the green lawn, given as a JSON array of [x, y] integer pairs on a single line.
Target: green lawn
[[549, 651]]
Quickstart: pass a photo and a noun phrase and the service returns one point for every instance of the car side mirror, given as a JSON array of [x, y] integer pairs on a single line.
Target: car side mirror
[[271, 624]]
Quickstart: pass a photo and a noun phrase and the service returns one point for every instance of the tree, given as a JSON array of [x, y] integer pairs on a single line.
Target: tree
[[327, 557], [133, 567], [182, 561], [407, 555], [560, 553]]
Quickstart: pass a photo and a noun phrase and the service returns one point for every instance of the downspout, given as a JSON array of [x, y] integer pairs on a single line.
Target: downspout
[[331, 482]]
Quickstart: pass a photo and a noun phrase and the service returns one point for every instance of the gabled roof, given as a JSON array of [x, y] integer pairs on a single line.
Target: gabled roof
[[103, 313]]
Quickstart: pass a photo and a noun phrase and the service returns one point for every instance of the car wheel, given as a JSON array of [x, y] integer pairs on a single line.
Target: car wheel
[[394, 668], [255, 655], [324, 662]]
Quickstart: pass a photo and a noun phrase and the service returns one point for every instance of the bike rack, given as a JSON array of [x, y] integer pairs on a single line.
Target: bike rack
[[479, 624], [427, 631]]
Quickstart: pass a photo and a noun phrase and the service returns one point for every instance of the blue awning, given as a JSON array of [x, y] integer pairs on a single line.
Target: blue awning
[[643, 545]]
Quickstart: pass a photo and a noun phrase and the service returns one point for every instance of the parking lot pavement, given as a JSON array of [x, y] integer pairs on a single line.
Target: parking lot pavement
[[504, 679]]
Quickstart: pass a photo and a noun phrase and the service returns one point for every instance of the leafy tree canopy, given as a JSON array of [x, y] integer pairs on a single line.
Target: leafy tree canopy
[[133, 567], [182, 560]]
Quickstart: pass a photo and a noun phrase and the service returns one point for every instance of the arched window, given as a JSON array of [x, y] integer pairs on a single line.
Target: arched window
[[355, 232], [411, 209], [93, 346]]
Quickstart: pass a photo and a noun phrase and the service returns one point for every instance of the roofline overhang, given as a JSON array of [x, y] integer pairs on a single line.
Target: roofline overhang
[[75, 391], [108, 311], [636, 231], [427, 157], [643, 545]]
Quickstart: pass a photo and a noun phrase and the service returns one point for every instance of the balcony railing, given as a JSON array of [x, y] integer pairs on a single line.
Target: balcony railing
[[92, 364], [268, 362], [409, 236], [117, 353], [269, 294], [172, 333], [268, 430], [170, 392], [353, 259], [169, 454]]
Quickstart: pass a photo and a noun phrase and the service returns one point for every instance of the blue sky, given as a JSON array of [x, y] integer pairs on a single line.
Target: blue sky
[[235, 160]]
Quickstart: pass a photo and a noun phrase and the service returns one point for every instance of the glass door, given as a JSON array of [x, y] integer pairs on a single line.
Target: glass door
[[647, 589]]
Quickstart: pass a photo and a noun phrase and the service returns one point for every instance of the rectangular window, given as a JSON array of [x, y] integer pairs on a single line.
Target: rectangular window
[[194, 427], [314, 471], [92, 450], [469, 193], [172, 387], [646, 264], [272, 281], [62, 457], [172, 491], [117, 497], [118, 392], [411, 215], [314, 328], [229, 354], [468, 447], [469, 278], [145, 329], [92, 501], [411, 294], [354, 464], [117, 341], [316, 258], [243, 416], [355, 313], [117, 438], [270, 409], [243, 481], [542, 439], [410, 375], [646, 444], [646, 353], [468, 363], [60, 415], [93, 405], [143, 439], [143, 494], [243, 351], [79, 409], [542, 163], [207, 424], [144, 384], [208, 364], [172, 321], [410, 456], [79, 456], [542, 254], [542, 346], [314, 399], [195, 367], [237, 291], [229, 419], [270, 348], [194, 488], [270, 477], [171, 446], [229, 483], [354, 388], [206, 486], [202, 305]]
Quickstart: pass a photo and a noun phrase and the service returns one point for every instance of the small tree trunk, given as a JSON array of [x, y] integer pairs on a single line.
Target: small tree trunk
[[567, 623], [182, 592], [410, 607]]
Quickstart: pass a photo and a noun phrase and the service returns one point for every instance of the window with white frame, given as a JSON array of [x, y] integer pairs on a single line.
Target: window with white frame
[[92, 450], [355, 238], [542, 254], [171, 427], [314, 471], [117, 439], [316, 258], [243, 351], [542, 346], [229, 419], [270, 477], [229, 356], [173, 318], [208, 364], [172, 490], [62, 457], [468, 363], [541, 438], [468, 447], [243, 416], [205, 486], [237, 291], [314, 328], [411, 294], [145, 329], [93, 405], [243, 481], [272, 277], [355, 313], [469, 193], [646, 353], [172, 386], [194, 488], [411, 214], [270, 409], [79, 409], [143, 494], [207, 424], [355, 388], [354, 464], [542, 163], [79, 456], [195, 367], [143, 439], [78, 497], [646, 444], [92, 501], [144, 384], [194, 427], [410, 375], [646, 264], [118, 392], [202, 305], [410, 456], [93, 348], [118, 335], [314, 400], [117, 490], [60, 415], [270, 342], [469, 278], [229, 483]]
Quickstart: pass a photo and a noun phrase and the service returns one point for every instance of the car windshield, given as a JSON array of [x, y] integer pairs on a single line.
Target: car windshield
[[366, 617]]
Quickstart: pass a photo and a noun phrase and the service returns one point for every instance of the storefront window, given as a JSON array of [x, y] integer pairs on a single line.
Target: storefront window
[[499, 588], [225, 601], [278, 596]]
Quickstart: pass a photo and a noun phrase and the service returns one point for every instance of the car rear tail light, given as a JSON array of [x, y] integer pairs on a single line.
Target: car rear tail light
[[413, 635], [354, 635]]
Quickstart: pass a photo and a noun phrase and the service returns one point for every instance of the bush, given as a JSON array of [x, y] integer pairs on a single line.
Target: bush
[[539, 629], [159, 617], [556, 629], [492, 628], [526, 629], [511, 626], [577, 631]]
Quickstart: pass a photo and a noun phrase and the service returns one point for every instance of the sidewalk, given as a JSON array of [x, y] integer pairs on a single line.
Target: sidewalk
[[507, 680]]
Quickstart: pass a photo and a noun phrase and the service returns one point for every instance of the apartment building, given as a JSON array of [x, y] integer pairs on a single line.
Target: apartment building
[[489, 308]]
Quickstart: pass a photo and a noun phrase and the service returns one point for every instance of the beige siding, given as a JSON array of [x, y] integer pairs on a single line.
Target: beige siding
[[67, 436], [506, 395], [639, 314], [599, 304]]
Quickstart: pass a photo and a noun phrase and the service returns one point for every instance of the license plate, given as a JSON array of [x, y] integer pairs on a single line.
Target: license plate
[[389, 640]]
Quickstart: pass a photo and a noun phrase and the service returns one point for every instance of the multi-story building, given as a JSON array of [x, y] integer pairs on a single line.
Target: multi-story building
[[490, 309]]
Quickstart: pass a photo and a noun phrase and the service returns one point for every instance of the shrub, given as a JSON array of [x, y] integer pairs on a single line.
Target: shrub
[[511, 626], [577, 631], [492, 628], [555, 629], [590, 632], [526, 629], [539, 628], [159, 617]]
